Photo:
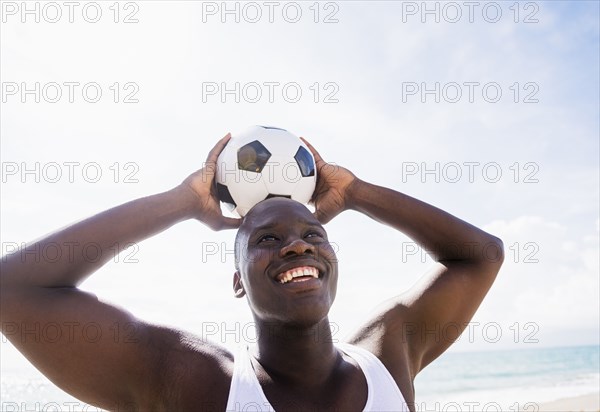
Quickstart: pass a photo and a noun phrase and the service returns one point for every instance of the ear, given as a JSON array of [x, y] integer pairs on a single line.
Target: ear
[[238, 288]]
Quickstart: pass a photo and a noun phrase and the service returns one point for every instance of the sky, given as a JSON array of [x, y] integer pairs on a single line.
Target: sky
[[489, 112]]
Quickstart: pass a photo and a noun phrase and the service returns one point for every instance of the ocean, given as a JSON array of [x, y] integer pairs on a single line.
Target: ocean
[[510, 380]]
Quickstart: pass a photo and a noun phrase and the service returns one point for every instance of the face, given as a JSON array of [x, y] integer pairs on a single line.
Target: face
[[287, 268]]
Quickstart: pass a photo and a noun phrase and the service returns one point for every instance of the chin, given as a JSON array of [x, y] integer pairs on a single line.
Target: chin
[[301, 317]]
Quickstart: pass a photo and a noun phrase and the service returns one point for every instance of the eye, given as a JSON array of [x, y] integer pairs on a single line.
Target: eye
[[267, 238], [313, 234]]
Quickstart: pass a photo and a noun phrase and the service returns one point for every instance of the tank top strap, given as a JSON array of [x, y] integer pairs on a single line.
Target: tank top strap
[[245, 392], [384, 394]]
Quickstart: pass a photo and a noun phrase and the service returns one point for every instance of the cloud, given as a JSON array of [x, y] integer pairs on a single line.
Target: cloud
[[549, 276]]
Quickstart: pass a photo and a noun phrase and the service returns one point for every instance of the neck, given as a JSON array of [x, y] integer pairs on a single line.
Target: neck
[[296, 354]]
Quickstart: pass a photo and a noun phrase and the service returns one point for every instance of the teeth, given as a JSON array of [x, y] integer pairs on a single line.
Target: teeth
[[298, 272]]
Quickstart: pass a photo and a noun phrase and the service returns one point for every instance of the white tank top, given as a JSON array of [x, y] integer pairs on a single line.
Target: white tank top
[[246, 394]]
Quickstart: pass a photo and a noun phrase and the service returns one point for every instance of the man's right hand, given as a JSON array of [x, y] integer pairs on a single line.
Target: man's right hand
[[203, 185]]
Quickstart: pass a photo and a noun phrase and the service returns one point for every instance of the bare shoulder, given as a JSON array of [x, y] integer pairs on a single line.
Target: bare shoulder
[[383, 333], [195, 374]]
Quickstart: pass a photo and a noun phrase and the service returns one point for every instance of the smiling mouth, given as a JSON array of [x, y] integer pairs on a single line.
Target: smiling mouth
[[299, 274]]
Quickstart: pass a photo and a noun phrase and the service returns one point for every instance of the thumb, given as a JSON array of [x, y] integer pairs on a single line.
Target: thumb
[[230, 222], [321, 216]]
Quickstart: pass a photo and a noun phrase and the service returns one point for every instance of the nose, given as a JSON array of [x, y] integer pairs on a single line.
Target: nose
[[297, 247]]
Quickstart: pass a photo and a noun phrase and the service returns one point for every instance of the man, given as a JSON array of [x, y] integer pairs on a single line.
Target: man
[[287, 270]]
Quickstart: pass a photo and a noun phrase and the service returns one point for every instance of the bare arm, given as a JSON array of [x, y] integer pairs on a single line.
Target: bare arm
[[446, 298], [95, 351], [468, 260], [129, 223]]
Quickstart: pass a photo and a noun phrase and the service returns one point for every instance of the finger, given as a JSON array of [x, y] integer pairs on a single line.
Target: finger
[[321, 217], [316, 193], [214, 153], [318, 158], [230, 222]]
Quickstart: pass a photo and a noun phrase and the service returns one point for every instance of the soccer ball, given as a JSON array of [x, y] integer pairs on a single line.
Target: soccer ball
[[263, 162]]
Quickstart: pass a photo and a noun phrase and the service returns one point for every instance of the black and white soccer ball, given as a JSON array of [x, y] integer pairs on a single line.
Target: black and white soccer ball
[[263, 162]]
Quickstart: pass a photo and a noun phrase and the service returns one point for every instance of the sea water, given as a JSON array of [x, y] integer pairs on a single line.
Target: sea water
[[507, 380]]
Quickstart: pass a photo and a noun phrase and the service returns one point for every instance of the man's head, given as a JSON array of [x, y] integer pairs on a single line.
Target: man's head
[[277, 240]]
